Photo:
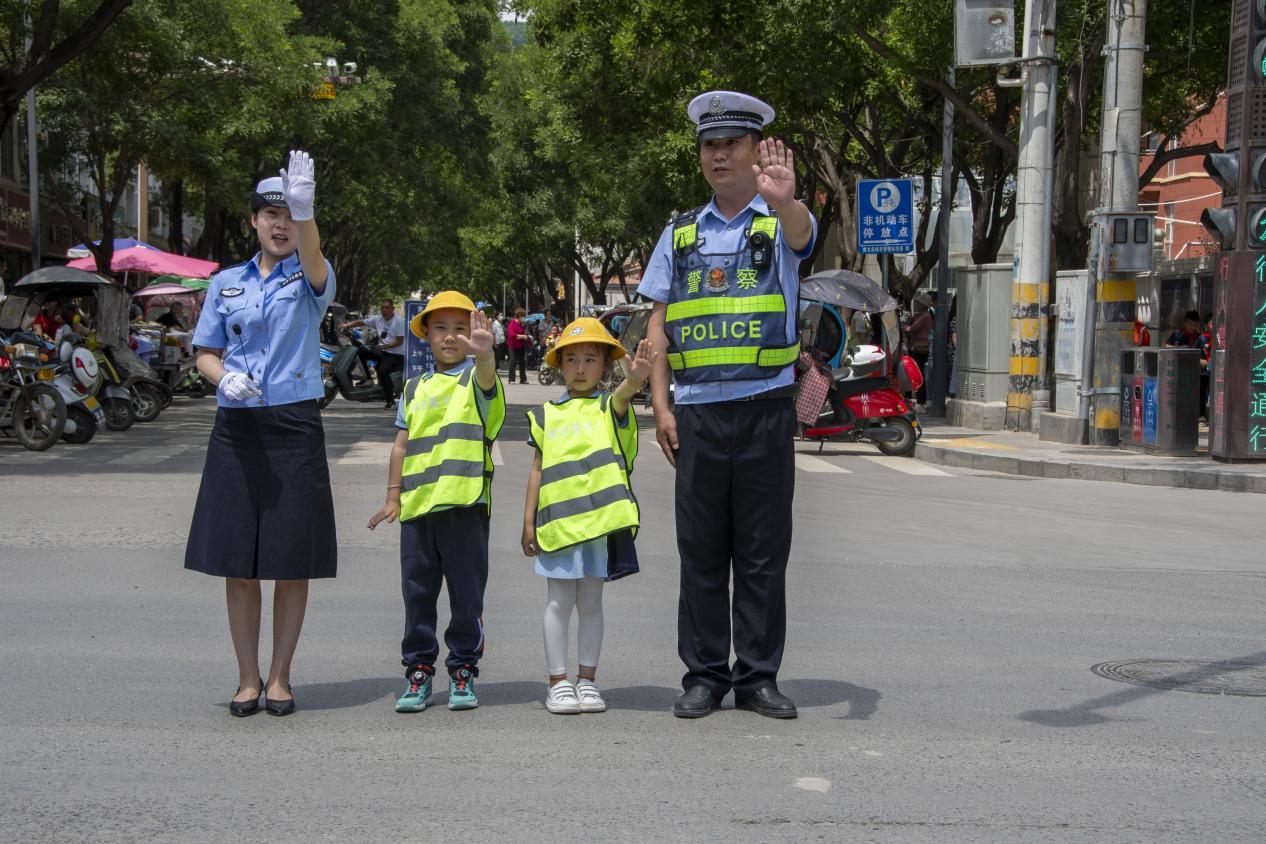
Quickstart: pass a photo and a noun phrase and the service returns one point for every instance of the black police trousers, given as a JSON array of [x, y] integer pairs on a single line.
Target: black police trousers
[[447, 547], [735, 481]]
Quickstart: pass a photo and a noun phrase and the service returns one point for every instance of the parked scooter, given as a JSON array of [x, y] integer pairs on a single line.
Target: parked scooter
[[78, 378], [339, 380], [862, 386], [30, 409]]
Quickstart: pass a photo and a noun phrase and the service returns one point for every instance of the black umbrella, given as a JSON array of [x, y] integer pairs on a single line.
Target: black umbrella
[[847, 289]]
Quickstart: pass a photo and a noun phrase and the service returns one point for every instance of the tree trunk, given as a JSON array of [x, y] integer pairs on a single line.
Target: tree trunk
[[176, 218]]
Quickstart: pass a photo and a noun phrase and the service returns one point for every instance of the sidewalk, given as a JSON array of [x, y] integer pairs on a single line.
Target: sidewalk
[[1024, 454]]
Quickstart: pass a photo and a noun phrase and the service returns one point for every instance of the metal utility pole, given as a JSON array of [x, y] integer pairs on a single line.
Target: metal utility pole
[[1114, 294], [142, 203], [33, 161], [939, 374], [1027, 391]]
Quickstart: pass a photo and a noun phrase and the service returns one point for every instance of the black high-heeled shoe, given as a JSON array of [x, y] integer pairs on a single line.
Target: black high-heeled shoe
[[242, 708], [280, 707]]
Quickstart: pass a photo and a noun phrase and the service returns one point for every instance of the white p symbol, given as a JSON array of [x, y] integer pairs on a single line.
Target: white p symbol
[[884, 197]]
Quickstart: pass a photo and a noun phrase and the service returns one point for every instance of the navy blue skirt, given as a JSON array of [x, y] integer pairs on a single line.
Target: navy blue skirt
[[264, 509]]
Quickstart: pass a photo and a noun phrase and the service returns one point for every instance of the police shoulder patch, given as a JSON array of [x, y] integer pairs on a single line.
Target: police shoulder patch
[[292, 278]]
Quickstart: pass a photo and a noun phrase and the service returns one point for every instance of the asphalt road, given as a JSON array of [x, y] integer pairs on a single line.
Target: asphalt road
[[943, 624]]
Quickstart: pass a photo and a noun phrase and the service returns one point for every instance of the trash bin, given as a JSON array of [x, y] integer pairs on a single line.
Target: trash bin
[[1160, 400]]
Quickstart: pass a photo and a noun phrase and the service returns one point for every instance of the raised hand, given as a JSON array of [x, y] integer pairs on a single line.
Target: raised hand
[[775, 173], [479, 342], [642, 363], [298, 185]]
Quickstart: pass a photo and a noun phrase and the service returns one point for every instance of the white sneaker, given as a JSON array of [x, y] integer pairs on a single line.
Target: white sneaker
[[590, 699], [562, 699]]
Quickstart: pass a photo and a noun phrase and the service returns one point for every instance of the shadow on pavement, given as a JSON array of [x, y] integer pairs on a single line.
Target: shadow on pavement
[[862, 702], [1087, 714], [347, 693]]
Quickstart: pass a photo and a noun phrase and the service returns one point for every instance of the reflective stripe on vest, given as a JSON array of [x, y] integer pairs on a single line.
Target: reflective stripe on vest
[[447, 460], [584, 492], [726, 318]]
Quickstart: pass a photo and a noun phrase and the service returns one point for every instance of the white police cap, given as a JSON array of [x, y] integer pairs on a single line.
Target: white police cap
[[728, 114], [268, 192]]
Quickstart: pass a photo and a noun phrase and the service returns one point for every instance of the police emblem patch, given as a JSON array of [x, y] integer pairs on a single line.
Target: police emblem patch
[[715, 105], [718, 282], [230, 292]]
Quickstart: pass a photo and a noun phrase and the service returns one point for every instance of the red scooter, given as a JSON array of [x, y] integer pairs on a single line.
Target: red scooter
[[867, 405], [851, 390]]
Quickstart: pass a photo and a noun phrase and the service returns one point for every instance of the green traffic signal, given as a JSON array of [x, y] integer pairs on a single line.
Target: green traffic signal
[[1256, 233]]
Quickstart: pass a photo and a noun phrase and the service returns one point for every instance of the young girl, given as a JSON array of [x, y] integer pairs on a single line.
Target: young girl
[[581, 516]]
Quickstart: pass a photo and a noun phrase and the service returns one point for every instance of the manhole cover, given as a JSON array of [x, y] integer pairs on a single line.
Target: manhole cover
[[1189, 675]]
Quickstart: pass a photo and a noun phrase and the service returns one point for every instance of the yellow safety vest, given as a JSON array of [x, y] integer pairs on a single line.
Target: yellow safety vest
[[585, 463], [448, 462]]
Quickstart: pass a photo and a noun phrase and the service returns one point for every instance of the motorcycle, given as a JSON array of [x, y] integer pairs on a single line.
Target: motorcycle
[[78, 379], [861, 400], [339, 379], [30, 409]]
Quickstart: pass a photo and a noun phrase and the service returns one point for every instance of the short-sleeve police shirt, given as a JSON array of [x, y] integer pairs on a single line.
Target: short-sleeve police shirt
[[268, 327], [724, 235]]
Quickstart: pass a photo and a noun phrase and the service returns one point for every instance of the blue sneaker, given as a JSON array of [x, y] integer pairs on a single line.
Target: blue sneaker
[[417, 695], [461, 690]]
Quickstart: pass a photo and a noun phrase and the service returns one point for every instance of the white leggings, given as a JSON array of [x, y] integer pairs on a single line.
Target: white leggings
[[585, 594]]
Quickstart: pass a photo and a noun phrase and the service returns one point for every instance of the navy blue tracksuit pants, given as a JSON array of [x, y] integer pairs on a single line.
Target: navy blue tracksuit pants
[[735, 481], [449, 546]]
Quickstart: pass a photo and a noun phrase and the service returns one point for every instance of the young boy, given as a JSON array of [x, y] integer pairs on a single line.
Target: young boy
[[439, 486]]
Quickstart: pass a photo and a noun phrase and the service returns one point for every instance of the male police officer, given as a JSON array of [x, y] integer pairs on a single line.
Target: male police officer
[[725, 282]]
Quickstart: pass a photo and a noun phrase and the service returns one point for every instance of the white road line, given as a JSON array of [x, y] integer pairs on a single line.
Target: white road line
[[905, 465], [809, 463], [150, 456], [367, 454], [497, 459]]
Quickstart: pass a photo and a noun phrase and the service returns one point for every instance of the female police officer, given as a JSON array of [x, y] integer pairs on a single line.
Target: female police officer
[[264, 509]]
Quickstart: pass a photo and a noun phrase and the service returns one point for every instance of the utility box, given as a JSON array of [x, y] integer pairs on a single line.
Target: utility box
[[1070, 333], [1125, 242], [1160, 400], [984, 32], [984, 332]]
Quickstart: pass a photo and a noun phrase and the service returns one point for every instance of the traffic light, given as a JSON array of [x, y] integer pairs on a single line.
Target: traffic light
[[1224, 167], [1257, 70]]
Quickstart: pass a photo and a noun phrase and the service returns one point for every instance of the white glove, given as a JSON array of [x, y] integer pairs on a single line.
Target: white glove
[[298, 185], [237, 386]]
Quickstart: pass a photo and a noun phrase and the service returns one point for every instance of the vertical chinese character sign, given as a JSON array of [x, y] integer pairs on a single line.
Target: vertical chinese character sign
[[1257, 362], [418, 359]]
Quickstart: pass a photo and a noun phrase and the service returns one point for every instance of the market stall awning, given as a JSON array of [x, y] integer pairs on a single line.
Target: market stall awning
[[164, 290], [147, 259], [191, 283]]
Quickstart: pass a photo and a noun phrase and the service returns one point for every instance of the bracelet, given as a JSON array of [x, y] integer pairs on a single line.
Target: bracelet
[[394, 486]]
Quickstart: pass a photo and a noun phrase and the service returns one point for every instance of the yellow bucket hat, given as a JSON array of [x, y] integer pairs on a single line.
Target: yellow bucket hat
[[441, 300], [584, 330]]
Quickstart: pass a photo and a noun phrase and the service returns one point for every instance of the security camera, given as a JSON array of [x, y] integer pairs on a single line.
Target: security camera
[[349, 68], [331, 65]]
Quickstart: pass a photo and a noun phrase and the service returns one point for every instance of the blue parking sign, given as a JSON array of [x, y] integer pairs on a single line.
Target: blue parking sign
[[417, 353], [885, 216]]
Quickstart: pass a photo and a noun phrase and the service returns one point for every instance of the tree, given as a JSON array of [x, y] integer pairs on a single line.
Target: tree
[[24, 66]]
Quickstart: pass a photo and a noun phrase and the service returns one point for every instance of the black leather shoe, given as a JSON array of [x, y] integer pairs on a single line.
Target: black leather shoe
[[696, 702], [280, 707], [242, 708], [768, 702]]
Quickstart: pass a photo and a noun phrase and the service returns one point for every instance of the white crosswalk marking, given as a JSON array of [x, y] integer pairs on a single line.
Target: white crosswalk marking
[[809, 463], [497, 459], [905, 465], [367, 454]]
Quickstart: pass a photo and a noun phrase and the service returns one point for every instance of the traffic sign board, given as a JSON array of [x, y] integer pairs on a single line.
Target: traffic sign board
[[885, 216]]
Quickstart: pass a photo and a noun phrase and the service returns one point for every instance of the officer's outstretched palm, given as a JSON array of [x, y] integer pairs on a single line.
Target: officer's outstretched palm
[[775, 173]]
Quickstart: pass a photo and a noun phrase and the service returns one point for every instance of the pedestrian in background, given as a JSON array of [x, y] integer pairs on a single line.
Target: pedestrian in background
[[264, 509], [918, 335], [499, 338], [517, 341], [447, 422], [730, 432], [579, 524]]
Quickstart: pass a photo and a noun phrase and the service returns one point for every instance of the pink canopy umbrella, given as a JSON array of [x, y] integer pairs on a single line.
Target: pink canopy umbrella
[[144, 259]]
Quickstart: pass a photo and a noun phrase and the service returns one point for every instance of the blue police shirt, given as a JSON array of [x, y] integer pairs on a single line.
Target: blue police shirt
[[717, 234], [279, 317]]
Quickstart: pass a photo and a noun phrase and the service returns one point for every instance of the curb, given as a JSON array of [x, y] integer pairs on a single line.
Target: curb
[[1036, 467]]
